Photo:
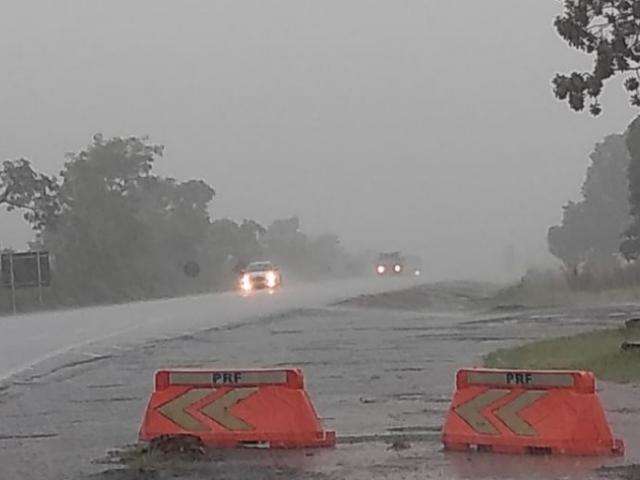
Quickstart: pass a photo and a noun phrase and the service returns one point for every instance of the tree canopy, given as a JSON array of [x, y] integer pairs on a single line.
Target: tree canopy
[[122, 231], [609, 30], [593, 226], [24, 189], [630, 247]]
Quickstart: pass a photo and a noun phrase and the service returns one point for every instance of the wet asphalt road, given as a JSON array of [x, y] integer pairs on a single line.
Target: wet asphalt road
[[29, 339], [376, 376]]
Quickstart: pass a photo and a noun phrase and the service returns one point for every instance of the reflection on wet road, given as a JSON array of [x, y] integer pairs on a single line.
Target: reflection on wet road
[[377, 377]]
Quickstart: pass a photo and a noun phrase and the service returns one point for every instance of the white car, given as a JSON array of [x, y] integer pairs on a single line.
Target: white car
[[260, 275]]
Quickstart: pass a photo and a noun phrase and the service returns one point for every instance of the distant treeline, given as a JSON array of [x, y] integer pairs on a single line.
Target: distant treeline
[[117, 232], [598, 240]]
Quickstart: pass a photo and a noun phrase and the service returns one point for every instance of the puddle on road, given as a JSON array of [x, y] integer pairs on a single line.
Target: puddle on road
[[394, 455], [478, 465]]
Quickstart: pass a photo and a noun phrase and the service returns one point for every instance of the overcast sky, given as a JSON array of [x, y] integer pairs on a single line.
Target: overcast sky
[[428, 126]]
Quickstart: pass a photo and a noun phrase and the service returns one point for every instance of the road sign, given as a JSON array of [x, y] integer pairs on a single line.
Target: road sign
[[232, 408], [521, 411], [218, 410], [227, 377], [191, 269], [509, 413], [24, 269], [471, 411], [508, 378]]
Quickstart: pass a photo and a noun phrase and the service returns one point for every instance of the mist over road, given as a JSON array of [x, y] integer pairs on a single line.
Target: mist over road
[[26, 340]]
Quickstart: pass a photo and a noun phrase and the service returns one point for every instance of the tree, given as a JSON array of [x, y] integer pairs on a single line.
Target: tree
[[566, 240], [24, 189], [287, 244], [610, 31], [235, 243], [592, 228], [123, 232], [287, 229], [630, 247]]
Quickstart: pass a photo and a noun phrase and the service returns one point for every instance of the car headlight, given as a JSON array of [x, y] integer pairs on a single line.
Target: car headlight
[[380, 269], [271, 279], [245, 283], [397, 268]]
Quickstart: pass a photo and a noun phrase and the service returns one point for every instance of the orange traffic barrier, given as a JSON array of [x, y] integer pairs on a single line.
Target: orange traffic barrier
[[235, 408], [518, 411]]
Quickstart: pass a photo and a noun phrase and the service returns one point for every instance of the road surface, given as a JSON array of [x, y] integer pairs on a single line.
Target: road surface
[[26, 340], [382, 378]]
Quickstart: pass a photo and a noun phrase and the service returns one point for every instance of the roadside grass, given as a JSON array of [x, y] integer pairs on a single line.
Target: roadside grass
[[597, 351]]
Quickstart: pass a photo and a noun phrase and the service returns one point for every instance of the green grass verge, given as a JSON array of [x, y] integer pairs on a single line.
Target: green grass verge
[[597, 351]]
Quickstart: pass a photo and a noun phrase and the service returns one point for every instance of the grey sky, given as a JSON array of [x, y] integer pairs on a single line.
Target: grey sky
[[427, 126]]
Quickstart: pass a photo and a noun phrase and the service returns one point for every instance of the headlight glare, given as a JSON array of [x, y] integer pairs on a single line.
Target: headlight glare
[[245, 283], [271, 279]]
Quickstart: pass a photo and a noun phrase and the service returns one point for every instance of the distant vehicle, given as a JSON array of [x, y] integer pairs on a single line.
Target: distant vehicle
[[258, 276], [390, 263], [414, 265]]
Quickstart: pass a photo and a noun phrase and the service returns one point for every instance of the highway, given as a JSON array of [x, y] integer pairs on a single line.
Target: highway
[[380, 377], [28, 340]]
